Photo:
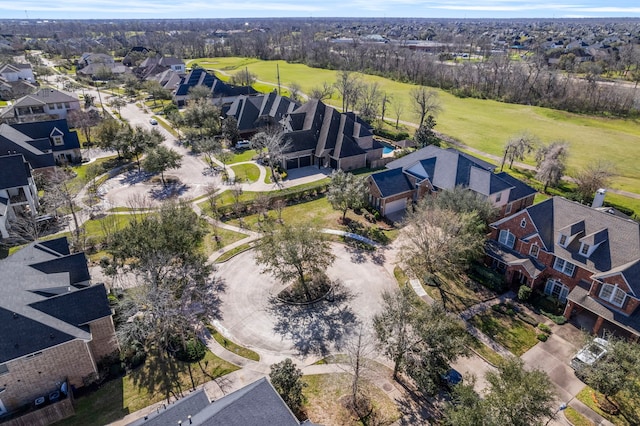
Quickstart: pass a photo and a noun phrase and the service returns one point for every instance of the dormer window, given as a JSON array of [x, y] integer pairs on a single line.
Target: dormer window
[[506, 238], [584, 249], [613, 294], [58, 140], [534, 250], [563, 240]]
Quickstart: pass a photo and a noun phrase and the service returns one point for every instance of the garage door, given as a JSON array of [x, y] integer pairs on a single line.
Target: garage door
[[395, 206], [305, 161], [292, 164]]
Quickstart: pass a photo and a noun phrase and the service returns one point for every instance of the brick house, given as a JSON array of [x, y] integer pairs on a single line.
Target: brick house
[[431, 169], [320, 135], [260, 112], [55, 325], [587, 258]]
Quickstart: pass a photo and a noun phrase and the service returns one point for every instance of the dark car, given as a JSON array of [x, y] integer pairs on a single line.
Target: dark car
[[451, 378]]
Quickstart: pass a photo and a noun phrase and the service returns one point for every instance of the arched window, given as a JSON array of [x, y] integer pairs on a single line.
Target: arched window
[[613, 294], [556, 289]]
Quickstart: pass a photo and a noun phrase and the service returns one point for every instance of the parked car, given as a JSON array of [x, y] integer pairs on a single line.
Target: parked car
[[590, 354], [244, 144], [153, 121], [451, 378]]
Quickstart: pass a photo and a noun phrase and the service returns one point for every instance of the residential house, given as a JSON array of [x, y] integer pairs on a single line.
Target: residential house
[[93, 64], [432, 169], [45, 104], [18, 192], [89, 58], [260, 112], [16, 72], [585, 257], [55, 324], [256, 404], [221, 92], [43, 144], [159, 64], [318, 134], [16, 80]]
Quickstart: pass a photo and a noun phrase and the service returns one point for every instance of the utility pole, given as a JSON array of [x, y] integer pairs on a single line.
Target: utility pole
[[278, 74]]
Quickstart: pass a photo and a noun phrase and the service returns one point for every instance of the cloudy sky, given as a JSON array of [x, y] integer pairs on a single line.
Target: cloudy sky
[[114, 9]]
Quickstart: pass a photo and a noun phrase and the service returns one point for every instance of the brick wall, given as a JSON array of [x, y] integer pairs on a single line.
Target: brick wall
[[29, 378], [103, 340], [45, 416], [353, 162]]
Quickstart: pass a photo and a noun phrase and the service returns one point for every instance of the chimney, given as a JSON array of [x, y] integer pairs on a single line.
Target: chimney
[[598, 200]]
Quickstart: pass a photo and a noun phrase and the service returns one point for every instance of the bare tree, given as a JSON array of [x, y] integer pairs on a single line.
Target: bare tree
[[517, 147], [360, 350], [384, 101], [397, 111], [323, 92], [551, 160], [348, 85], [275, 146], [592, 177], [295, 91], [368, 102], [425, 102]]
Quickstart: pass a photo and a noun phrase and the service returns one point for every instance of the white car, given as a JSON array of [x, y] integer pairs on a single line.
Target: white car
[[153, 121], [244, 144], [590, 354]]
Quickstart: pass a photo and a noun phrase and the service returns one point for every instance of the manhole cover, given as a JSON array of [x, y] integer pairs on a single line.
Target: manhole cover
[[387, 387]]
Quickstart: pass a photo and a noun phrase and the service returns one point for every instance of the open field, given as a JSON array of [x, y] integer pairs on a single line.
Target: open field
[[483, 124]]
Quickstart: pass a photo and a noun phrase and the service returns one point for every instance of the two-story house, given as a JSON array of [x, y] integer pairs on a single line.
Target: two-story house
[[55, 325], [18, 192], [43, 143], [432, 169], [585, 257], [317, 134], [45, 104], [16, 80], [260, 112]]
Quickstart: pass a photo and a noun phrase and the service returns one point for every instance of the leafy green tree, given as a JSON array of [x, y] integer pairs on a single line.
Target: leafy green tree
[[439, 240], [425, 135], [421, 340], [295, 253], [139, 140], [161, 159], [83, 120], [113, 134], [516, 396], [199, 93], [201, 119], [156, 91], [207, 146], [286, 379], [611, 374], [230, 130], [347, 191], [462, 200], [243, 78]]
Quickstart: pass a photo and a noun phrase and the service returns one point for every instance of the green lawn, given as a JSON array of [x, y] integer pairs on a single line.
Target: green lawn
[[119, 397], [484, 351], [512, 333], [246, 172], [576, 418], [456, 295], [483, 124], [629, 406], [225, 237], [80, 180], [243, 156], [229, 254], [231, 346]]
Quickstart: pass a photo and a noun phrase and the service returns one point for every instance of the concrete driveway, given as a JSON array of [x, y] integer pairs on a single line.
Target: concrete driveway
[[276, 330], [553, 357]]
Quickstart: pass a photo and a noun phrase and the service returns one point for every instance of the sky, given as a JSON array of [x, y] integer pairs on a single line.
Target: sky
[[181, 9]]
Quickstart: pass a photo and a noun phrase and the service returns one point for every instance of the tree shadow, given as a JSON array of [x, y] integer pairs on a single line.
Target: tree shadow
[[132, 177], [170, 190], [361, 252], [318, 328], [416, 407]]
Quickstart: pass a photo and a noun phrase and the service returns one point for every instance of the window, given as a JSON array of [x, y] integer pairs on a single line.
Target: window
[[66, 105], [57, 140], [563, 266], [523, 223], [556, 289], [508, 209], [507, 238], [563, 240], [533, 251], [498, 197], [59, 106], [613, 294], [584, 249]]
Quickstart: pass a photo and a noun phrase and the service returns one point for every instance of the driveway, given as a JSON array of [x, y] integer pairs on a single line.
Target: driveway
[[277, 330], [553, 357]]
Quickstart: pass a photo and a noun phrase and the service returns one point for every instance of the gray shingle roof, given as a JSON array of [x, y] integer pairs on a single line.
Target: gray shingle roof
[[391, 182], [42, 300], [519, 189], [43, 129], [14, 171], [34, 151], [176, 411]]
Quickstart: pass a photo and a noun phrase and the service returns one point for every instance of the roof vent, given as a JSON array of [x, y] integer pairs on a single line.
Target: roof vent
[[15, 316]]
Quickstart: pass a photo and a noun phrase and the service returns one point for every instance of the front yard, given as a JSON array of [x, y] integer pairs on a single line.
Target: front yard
[[629, 405], [508, 330]]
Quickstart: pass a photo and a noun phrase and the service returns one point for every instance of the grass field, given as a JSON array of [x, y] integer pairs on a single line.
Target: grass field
[[232, 346], [483, 124], [246, 172], [512, 333]]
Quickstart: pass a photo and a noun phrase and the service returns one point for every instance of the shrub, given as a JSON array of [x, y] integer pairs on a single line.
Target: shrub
[[524, 293], [528, 319], [542, 337], [545, 328], [193, 350], [558, 319]]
